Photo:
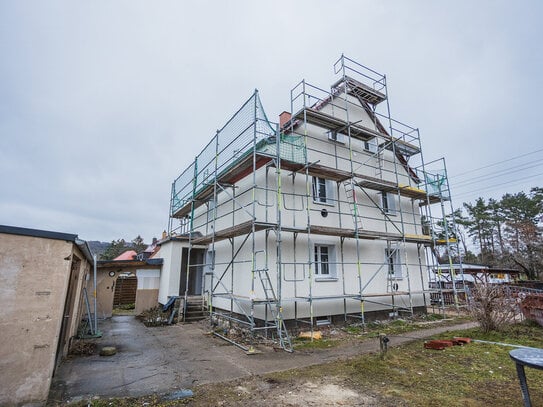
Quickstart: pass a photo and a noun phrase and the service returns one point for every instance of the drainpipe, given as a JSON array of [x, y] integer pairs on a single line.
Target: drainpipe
[[95, 292]]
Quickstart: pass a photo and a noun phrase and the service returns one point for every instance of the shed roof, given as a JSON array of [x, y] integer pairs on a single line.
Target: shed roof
[[46, 234]]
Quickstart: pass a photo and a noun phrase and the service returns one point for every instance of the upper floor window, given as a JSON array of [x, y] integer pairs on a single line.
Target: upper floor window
[[389, 203], [371, 145], [323, 191], [335, 136]]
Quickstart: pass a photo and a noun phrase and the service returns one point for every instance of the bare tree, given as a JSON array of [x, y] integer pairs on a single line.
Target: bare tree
[[493, 307]]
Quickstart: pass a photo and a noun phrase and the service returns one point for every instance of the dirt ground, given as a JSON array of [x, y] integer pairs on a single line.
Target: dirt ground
[[261, 391], [163, 360]]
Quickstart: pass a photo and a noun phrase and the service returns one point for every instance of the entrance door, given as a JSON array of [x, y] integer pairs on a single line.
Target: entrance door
[[195, 272]]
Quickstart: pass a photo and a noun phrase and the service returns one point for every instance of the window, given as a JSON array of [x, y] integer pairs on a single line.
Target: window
[[335, 136], [394, 262], [210, 262], [324, 261], [389, 203], [370, 145], [323, 191], [211, 205]]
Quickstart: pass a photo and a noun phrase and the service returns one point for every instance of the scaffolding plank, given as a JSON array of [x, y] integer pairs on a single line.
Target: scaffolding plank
[[317, 170], [357, 131], [202, 196], [233, 231], [375, 183], [363, 91], [400, 146], [321, 119], [246, 227]]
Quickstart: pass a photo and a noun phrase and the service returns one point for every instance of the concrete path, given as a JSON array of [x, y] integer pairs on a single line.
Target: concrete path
[[164, 359]]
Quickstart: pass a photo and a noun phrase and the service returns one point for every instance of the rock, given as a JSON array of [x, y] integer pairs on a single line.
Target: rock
[[108, 351]]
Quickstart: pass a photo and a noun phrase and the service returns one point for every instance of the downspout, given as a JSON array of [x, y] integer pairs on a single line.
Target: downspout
[[95, 294]]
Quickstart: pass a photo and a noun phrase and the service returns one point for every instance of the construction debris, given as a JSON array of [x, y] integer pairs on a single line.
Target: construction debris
[[315, 335], [442, 344]]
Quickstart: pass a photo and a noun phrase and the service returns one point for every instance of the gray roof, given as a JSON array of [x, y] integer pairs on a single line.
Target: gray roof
[[46, 234]]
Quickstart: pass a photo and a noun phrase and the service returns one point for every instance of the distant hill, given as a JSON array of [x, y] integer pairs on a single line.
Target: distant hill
[[97, 247]]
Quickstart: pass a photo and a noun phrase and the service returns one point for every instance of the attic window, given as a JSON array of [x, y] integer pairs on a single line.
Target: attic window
[[335, 136], [371, 145]]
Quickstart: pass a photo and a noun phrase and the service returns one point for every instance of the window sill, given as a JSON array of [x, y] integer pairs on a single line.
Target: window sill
[[327, 279], [324, 203]]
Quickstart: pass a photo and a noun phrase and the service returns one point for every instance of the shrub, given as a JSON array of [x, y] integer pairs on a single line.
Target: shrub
[[492, 307]]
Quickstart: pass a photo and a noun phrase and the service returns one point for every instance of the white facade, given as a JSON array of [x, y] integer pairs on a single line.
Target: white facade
[[302, 276], [171, 252]]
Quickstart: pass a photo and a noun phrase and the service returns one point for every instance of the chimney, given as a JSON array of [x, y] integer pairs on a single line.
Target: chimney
[[284, 118]]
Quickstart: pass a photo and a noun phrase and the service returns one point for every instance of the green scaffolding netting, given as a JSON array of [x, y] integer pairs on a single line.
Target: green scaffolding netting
[[247, 131]]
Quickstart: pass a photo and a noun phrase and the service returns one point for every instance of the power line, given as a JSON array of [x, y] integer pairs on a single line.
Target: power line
[[496, 163], [497, 185], [495, 174]]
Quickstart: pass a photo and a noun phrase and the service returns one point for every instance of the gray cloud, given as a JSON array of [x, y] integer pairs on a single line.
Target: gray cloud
[[103, 104]]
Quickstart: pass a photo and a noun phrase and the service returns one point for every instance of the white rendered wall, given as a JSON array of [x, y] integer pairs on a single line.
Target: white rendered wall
[[170, 252]]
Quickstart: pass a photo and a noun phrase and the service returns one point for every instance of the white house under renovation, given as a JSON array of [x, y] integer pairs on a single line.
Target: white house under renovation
[[328, 214]]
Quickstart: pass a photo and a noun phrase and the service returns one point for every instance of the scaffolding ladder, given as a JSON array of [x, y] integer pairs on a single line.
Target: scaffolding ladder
[[275, 310], [350, 193]]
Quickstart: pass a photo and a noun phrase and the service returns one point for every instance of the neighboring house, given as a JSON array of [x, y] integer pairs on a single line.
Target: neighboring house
[[476, 274], [316, 218], [126, 255], [43, 275], [112, 276], [467, 275]]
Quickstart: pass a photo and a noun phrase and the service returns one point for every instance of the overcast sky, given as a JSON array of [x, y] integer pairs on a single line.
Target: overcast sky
[[104, 103]]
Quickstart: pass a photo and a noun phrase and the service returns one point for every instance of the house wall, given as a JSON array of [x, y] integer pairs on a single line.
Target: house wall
[[148, 288], [146, 293], [34, 279], [171, 251], [297, 282], [105, 288], [261, 186]]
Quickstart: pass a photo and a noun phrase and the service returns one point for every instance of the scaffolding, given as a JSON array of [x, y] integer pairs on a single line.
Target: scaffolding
[[333, 206]]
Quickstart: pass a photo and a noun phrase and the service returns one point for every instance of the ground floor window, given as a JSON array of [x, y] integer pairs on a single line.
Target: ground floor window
[[394, 261], [324, 261]]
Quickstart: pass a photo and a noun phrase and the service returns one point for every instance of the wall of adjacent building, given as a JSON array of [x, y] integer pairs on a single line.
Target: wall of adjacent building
[[35, 274]]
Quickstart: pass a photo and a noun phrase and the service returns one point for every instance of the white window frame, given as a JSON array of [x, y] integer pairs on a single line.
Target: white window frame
[[336, 136], [389, 203], [324, 257], [209, 261], [326, 198], [371, 145], [393, 259]]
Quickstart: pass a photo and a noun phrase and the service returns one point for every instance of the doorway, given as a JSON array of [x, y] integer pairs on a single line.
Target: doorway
[[195, 274]]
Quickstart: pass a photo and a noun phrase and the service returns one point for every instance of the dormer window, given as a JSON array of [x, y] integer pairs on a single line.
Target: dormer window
[[335, 136], [371, 145]]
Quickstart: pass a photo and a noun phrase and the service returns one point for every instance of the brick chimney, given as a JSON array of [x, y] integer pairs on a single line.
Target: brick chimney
[[284, 118]]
